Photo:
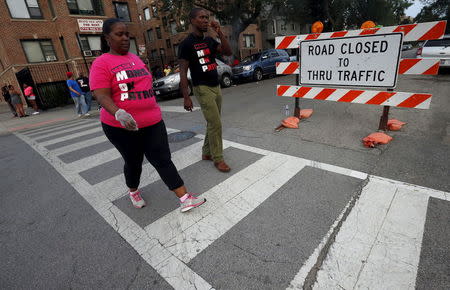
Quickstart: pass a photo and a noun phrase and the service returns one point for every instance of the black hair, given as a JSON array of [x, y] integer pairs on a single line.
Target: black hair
[[194, 12], [106, 29]]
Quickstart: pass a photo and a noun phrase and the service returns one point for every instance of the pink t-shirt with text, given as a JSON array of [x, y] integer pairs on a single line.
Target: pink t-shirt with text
[[131, 88]]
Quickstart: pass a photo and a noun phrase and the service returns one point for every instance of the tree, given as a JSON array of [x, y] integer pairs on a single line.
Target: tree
[[434, 10]]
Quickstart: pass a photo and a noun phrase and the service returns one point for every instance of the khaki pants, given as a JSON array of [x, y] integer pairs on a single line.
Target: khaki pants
[[210, 99]]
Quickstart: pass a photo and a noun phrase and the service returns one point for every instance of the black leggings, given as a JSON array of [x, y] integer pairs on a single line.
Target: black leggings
[[149, 141]]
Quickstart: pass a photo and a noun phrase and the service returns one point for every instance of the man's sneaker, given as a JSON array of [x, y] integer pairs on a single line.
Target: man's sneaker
[[36, 113], [79, 115], [137, 200], [191, 202], [87, 115]]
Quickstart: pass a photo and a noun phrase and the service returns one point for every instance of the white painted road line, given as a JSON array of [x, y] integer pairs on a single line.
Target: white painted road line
[[67, 131], [57, 126], [93, 160], [266, 176], [71, 136], [380, 241], [79, 145]]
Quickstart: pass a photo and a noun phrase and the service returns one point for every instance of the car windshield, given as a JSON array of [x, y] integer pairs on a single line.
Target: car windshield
[[438, 42], [251, 58]]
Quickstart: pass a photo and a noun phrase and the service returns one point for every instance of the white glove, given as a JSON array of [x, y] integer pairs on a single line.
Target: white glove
[[126, 120]]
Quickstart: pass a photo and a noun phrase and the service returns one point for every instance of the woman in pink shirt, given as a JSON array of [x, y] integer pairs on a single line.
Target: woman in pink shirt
[[130, 116], [31, 97]]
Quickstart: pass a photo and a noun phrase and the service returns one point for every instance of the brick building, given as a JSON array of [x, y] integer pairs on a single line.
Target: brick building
[[164, 31], [43, 39]]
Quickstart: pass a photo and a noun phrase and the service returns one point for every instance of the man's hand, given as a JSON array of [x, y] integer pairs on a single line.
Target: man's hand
[[188, 104], [215, 26]]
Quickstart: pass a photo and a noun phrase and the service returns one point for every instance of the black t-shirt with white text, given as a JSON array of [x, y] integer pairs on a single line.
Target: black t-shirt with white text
[[201, 54], [84, 84]]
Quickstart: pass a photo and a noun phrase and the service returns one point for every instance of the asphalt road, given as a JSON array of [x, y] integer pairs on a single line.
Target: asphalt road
[[306, 207]]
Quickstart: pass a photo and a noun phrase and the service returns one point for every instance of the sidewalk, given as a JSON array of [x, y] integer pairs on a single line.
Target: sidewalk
[[9, 124]]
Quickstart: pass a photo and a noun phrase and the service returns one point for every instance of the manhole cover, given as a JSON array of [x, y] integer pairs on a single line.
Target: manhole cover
[[180, 136]]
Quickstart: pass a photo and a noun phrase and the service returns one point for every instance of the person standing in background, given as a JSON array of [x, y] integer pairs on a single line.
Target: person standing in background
[[28, 91], [77, 95], [84, 85], [7, 98], [16, 101]]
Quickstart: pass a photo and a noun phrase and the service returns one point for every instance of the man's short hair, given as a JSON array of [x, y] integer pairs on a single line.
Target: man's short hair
[[194, 12]]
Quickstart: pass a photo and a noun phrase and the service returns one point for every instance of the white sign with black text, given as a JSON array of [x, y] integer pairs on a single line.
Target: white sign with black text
[[90, 25], [360, 61]]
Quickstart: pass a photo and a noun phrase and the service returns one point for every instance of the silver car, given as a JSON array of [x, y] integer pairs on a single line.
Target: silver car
[[170, 85], [437, 49]]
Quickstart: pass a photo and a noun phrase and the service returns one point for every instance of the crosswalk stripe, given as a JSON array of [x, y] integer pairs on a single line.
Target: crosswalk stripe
[[68, 124], [115, 186], [380, 241], [231, 201], [86, 143], [79, 145], [177, 109], [65, 131], [93, 160], [70, 136]]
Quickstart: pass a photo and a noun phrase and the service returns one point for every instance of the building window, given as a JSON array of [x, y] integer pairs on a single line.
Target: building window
[[168, 44], [283, 25], [122, 11], [147, 14], [150, 35], [293, 26], [173, 27], [90, 43], [162, 52], [154, 54], [175, 49], [133, 46], [24, 8], [39, 50], [164, 21], [85, 7], [155, 11], [249, 40], [158, 32], [274, 26]]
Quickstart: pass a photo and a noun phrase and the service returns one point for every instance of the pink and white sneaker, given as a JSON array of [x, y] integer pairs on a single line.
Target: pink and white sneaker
[[137, 200], [191, 202]]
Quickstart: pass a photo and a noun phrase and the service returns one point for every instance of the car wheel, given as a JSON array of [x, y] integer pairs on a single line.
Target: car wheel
[[226, 80], [257, 75]]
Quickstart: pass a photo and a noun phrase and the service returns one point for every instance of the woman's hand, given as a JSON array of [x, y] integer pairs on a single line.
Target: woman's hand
[[126, 120]]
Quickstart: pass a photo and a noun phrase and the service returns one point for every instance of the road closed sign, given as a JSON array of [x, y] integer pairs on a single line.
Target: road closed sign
[[360, 61]]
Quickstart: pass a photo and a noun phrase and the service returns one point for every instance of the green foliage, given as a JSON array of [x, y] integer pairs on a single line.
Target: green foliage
[[434, 10]]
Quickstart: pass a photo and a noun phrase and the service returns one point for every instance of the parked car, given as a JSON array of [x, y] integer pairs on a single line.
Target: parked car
[[170, 85], [436, 48], [407, 46], [258, 65]]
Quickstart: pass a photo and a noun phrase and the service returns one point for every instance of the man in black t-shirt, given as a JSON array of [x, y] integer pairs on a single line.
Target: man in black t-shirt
[[84, 85], [198, 53]]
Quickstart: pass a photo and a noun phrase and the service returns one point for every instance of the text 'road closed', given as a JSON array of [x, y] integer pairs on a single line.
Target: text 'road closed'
[[365, 61]]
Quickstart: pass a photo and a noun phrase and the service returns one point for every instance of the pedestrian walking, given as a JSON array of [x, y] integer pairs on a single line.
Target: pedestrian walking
[[84, 85], [77, 96], [198, 53], [31, 97], [130, 116], [16, 101], [7, 98]]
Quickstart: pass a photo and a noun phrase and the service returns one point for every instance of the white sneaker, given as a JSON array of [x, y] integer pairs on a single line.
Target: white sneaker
[[137, 200], [36, 113], [87, 115], [79, 115], [191, 202]]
